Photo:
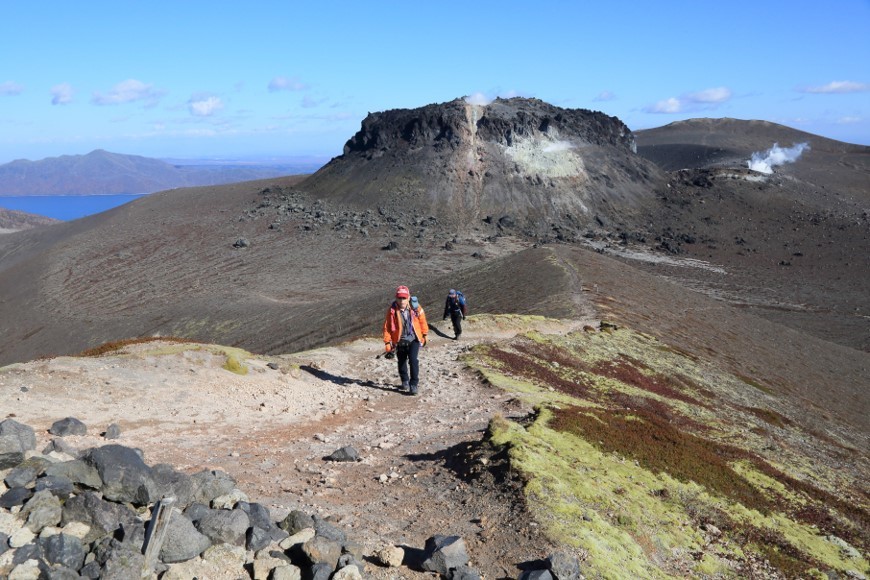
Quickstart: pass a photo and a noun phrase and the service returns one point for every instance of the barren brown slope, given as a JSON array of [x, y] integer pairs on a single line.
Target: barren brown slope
[[793, 246], [13, 220], [170, 264], [838, 168], [268, 266]]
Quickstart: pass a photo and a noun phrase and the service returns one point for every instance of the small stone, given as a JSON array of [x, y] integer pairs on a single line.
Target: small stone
[[390, 556], [298, 538], [346, 453], [21, 537], [113, 431]]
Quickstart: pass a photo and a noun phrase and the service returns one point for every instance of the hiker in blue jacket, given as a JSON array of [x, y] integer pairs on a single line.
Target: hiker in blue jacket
[[455, 308]]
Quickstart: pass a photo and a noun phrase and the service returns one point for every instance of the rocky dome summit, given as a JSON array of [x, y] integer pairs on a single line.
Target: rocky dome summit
[[522, 158]]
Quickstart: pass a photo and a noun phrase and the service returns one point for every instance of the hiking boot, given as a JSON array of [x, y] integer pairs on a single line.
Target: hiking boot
[[405, 386], [413, 390]]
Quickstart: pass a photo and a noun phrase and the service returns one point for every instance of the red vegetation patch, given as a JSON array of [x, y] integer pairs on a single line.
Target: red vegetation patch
[[660, 446], [117, 345], [655, 407], [552, 353], [819, 513], [769, 416], [783, 556], [535, 370], [629, 371]]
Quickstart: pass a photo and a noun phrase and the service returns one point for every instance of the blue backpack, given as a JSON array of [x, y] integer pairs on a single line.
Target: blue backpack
[[462, 304]]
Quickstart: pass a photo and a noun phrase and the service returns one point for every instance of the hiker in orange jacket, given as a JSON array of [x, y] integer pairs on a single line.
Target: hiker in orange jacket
[[405, 331]]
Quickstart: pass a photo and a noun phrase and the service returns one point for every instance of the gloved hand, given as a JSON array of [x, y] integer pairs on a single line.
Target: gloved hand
[[425, 341], [389, 355], [463, 317]]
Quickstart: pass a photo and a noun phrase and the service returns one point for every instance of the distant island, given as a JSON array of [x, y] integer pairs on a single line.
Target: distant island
[[102, 172]]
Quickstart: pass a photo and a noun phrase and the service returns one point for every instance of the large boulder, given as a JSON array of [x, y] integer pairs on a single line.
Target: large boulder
[[63, 550], [171, 482], [211, 484], [564, 566], [444, 553], [101, 516], [320, 550], [182, 541], [77, 471], [296, 521], [16, 496], [58, 485], [15, 440], [68, 426], [225, 526], [122, 562], [41, 510], [26, 472], [263, 530], [125, 476]]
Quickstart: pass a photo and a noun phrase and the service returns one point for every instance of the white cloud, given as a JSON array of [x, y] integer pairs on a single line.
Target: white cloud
[[286, 84], [128, 91], [605, 96], [10, 88], [849, 120], [716, 95], [61, 94], [706, 99], [838, 87], [204, 106], [668, 106]]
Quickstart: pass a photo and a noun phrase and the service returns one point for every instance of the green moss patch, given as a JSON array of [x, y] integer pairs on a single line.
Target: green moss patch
[[234, 365], [637, 451], [658, 445]]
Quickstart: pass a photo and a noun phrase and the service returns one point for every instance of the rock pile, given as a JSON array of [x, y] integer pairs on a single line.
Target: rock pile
[[101, 513]]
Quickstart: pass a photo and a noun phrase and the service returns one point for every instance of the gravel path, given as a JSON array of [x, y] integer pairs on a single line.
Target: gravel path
[[422, 472]]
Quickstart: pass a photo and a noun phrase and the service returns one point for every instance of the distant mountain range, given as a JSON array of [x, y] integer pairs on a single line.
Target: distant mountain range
[[102, 172]]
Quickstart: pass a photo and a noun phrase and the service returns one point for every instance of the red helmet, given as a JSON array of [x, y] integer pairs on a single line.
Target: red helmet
[[403, 292]]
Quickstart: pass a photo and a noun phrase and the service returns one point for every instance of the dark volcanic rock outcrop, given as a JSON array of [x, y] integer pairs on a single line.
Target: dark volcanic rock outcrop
[[538, 163]]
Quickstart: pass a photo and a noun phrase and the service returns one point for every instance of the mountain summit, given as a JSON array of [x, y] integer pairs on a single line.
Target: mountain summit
[[465, 162]]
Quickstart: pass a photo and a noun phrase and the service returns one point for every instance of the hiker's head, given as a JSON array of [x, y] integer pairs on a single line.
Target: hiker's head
[[403, 292], [452, 293], [415, 304]]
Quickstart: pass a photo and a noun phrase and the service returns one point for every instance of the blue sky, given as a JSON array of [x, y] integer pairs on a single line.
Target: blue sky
[[258, 79]]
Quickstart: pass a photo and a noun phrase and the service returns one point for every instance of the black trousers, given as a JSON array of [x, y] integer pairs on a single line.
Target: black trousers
[[456, 319], [407, 357]]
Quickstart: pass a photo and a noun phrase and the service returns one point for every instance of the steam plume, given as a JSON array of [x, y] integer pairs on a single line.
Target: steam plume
[[776, 155]]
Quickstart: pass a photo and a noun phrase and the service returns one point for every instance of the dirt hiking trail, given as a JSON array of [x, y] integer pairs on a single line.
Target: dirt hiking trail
[[422, 470]]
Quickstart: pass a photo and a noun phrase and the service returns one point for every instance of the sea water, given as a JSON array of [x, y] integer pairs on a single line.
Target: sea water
[[66, 207]]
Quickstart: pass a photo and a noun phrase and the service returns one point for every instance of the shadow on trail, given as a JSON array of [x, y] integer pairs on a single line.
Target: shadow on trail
[[439, 332], [339, 380], [463, 459]]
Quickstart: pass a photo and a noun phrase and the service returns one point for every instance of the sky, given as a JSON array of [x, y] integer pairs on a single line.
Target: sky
[[272, 80]]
